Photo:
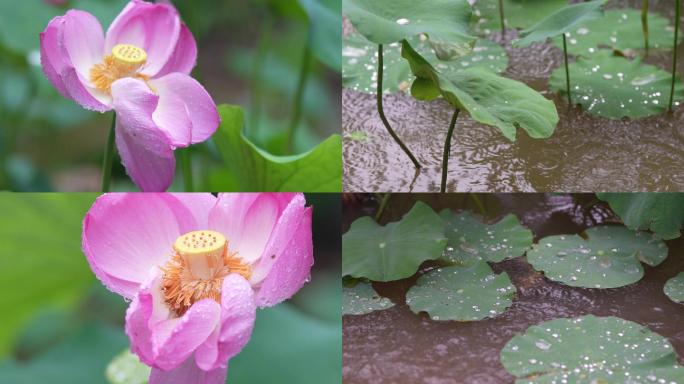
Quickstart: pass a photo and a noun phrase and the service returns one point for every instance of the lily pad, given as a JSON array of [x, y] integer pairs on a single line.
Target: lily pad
[[489, 98], [253, 169], [562, 21], [396, 250], [615, 87], [470, 240], [446, 22], [619, 30], [662, 213], [461, 293], [591, 349], [674, 288], [518, 13], [362, 299], [610, 257], [359, 66]]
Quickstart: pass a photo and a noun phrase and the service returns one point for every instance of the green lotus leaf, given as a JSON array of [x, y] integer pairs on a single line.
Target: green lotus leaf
[[615, 87], [674, 288], [591, 349], [126, 368], [253, 169], [610, 257], [396, 250], [360, 64], [390, 21], [561, 21], [470, 240], [489, 98], [619, 30], [518, 13], [662, 213], [362, 299], [326, 29], [461, 293]]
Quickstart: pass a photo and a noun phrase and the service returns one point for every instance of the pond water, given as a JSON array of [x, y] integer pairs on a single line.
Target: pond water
[[585, 153], [398, 346]]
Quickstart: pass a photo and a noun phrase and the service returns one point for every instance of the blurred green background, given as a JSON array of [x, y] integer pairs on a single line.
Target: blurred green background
[[60, 325], [251, 53]]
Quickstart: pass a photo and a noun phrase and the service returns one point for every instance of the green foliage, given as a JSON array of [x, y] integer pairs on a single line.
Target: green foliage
[[361, 299], [326, 31], [662, 213], [674, 288], [126, 368], [591, 349], [396, 250], [489, 99], [41, 243], [389, 21], [518, 13], [253, 169], [562, 21], [614, 87], [470, 240], [619, 30], [610, 257], [461, 293]]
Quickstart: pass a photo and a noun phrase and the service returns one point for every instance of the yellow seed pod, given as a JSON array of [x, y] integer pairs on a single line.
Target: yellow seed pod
[[129, 54], [206, 244]]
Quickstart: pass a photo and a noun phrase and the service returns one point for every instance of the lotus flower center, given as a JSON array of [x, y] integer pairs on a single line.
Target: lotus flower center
[[124, 61], [196, 271]]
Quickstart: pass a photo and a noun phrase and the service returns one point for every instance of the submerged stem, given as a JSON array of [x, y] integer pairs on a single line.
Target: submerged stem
[[299, 94], [186, 168], [503, 20], [383, 205], [381, 112], [447, 150], [644, 25], [674, 53], [567, 70], [108, 156]]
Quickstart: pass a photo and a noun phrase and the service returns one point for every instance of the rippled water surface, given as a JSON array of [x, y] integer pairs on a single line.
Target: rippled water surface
[[398, 346], [585, 153]]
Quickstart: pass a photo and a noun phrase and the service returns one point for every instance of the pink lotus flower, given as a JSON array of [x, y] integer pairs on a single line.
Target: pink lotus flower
[[196, 267], [139, 69]]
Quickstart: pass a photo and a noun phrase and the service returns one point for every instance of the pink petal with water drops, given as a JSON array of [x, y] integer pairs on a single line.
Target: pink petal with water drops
[[188, 373]]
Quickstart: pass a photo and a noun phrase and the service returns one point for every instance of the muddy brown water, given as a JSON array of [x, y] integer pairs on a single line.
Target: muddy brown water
[[585, 153], [398, 346]]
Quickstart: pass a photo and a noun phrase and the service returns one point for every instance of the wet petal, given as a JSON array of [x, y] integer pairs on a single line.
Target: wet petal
[[125, 235], [200, 204], [184, 56], [83, 40], [188, 373]]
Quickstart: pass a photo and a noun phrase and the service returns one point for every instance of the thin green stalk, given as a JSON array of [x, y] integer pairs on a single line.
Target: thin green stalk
[[478, 203], [567, 69], [674, 53], [644, 25], [299, 95], [108, 156], [447, 150], [503, 20], [186, 168], [381, 112], [383, 205], [256, 80]]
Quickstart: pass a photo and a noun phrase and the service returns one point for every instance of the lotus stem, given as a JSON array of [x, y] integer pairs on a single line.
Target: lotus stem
[[299, 94], [257, 81], [186, 169], [478, 203], [567, 69], [447, 150], [108, 156], [381, 112], [383, 205], [503, 19], [644, 25], [674, 53]]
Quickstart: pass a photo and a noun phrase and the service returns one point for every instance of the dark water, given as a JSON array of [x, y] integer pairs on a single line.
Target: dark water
[[398, 346], [585, 153]]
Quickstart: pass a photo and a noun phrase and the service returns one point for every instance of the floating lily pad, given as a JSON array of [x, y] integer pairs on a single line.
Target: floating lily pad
[[610, 257], [396, 250], [591, 349], [614, 87], [461, 293], [562, 21], [360, 63], [470, 240], [620, 30], [446, 22], [518, 14], [674, 288], [489, 98], [362, 299], [662, 213]]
